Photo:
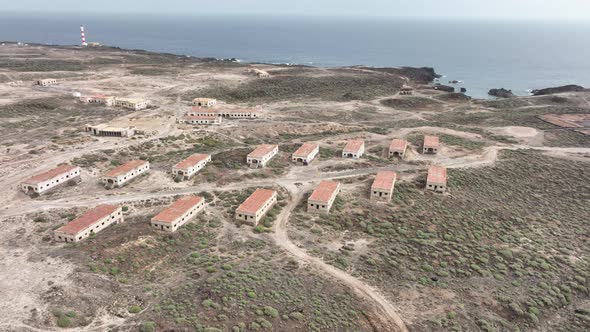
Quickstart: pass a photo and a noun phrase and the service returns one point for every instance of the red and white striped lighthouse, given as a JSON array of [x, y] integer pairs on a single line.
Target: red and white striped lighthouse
[[84, 43]]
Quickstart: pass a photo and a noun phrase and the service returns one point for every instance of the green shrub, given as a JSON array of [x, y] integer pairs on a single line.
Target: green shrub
[[271, 312], [134, 309], [148, 327], [64, 321], [296, 315]]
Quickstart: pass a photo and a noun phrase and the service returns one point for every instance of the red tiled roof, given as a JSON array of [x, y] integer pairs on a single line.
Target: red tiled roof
[[305, 149], [354, 145], [324, 191], [256, 201], [262, 150], [398, 145], [437, 174], [192, 160], [200, 117], [384, 180], [125, 168], [87, 219], [216, 111], [431, 141], [59, 170], [177, 209]]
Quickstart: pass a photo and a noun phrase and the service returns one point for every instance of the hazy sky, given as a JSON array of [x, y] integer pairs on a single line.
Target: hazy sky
[[526, 9]]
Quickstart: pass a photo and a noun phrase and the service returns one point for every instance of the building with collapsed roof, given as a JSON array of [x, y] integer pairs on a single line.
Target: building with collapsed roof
[[110, 131], [204, 102]]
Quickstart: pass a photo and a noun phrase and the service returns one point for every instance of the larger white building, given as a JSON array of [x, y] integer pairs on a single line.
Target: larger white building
[[45, 181]]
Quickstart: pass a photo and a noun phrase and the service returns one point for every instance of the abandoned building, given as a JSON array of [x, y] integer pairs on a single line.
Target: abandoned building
[[397, 148], [98, 99], [305, 154], [204, 102], [322, 198], [120, 175], [354, 149], [258, 72], [201, 119], [108, 131], [262, 155], [406, 90], [45, 181], [178, 213], [382, 187], [430, 145], [185, 169], [262, 73], [225, 113], [46, 82], [256, 206], [437, 179], [132, 103], [91, 222]]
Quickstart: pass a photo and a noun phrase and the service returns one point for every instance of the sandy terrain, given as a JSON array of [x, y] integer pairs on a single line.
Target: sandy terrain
[[287, 122]]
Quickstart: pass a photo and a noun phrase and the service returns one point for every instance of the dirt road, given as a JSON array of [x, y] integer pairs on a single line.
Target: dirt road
[[387, 316]]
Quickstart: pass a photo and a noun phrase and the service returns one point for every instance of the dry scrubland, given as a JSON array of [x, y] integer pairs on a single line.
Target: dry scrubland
[[505, 250]]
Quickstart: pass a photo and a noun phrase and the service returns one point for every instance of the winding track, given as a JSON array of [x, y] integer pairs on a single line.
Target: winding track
[[386, 315]]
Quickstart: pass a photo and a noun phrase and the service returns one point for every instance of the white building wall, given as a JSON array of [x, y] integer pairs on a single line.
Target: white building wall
[[56, 181], [186, 217], [264, 160], [308, 159], [121, 180], [188, 173], [254, 218], [99, 225]]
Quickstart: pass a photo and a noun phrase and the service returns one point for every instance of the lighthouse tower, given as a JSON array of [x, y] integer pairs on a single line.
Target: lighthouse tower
[[84, 43]]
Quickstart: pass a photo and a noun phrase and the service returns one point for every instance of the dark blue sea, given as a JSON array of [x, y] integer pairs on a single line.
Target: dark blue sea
[[483, 54]]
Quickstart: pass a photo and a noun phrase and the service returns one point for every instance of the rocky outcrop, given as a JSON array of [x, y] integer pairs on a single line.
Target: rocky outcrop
[[418, 75], [501, 93], [559, 89], [454, 97], [444, 88]]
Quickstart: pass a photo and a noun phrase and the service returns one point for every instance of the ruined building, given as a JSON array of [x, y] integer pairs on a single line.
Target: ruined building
[[187, 168], [255, 207], [178, 213], [46, 181], [91, 222], [305, 154], [322, 198], [121, 175]]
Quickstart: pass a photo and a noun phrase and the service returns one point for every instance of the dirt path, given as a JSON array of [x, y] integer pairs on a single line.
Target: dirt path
[[387, 318]]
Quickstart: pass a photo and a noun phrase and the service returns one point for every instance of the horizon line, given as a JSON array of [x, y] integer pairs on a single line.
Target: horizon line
[[319, 15]]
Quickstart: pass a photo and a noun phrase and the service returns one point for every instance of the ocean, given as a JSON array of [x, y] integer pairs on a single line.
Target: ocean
[[520, 56]]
